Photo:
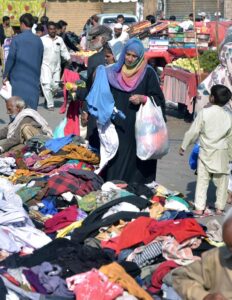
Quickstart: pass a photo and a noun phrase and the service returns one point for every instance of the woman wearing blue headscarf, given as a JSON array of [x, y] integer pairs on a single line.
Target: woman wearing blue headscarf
[[131, 81]]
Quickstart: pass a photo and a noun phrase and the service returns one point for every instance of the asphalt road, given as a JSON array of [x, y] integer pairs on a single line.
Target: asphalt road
[[173, 171]]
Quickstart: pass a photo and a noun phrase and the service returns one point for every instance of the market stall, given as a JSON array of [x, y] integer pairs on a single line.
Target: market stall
[[180, 86], [182, 76]]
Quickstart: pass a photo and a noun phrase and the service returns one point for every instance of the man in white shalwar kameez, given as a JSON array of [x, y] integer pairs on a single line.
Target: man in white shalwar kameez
[[54, 49]]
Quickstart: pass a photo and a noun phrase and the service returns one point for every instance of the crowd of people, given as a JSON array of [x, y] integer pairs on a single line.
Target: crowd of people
[[85, 218]]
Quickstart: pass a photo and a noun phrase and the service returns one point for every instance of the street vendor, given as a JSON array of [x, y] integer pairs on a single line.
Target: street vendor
[[24, 124], [188, 24]]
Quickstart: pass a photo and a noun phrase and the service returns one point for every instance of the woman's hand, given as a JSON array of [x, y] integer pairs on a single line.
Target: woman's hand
[[74, 88], [138, 99]]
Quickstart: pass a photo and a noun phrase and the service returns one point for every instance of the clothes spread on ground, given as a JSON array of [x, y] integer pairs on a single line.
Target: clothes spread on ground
[[118, 275], [144, 230], [56, 144], [93, 285], [67, 234], [7, 166]]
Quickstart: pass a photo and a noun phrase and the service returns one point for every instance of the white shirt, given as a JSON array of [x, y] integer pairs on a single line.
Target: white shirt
[[33, 29], [186, 25], [54, 49], [124, 37]]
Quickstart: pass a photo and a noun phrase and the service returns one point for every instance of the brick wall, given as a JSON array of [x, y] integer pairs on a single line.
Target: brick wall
[[150, 7], [126, 8], [228, 9], [74, 12]]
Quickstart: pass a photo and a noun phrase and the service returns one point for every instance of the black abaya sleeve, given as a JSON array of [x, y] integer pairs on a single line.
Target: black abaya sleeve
[[153, 90]]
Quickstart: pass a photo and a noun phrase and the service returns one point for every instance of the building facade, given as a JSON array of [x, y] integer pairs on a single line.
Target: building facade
[[228, 9], [77, 12], [182, 8]]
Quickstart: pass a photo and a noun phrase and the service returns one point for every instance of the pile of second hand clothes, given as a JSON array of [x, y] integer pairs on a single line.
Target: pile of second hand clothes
[[65, 234]]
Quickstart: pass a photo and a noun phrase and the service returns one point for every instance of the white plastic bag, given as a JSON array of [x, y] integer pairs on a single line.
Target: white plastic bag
[[6, 90], [150, 132]]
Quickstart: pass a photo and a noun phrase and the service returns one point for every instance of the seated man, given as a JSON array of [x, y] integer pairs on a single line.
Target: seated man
[[25, 123], [211, 277]]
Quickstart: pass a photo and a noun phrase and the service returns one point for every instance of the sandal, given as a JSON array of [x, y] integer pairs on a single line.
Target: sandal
[[219, 212], [206, 213], [229, 200]]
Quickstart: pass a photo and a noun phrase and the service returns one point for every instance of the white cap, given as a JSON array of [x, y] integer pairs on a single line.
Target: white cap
[[202, 14], [118, 26]]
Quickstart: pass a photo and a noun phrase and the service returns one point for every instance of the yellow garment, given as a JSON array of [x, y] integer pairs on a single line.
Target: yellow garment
[[213, 128], [8, 31], [81, 153], [117, 274], [129, 72], [215, 244], [63, 232], [211, 274], [156, 210], [73, 152], [21, 172], [50, 161], [111, 232]]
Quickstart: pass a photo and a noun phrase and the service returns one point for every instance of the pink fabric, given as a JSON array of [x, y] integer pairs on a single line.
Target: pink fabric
[[180, 86], [68, 76], [93, 285], [72, 126]]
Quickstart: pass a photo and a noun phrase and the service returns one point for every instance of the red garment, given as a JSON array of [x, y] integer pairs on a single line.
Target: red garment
[[68, 76], [72, 126], [61, 220], [159, 199], [182, 230], [144, 230], [66, 182], [133, 233], [159, 274]]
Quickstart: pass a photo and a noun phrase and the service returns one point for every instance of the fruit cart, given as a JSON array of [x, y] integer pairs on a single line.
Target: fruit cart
[[182, 76], [180, 87]]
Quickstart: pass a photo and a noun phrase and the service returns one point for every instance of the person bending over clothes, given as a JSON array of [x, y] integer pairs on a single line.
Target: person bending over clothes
[[24, 124], [213, 128], [211, 277]]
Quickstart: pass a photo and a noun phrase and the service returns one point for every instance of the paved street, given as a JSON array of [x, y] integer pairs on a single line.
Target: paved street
[[173, 170]]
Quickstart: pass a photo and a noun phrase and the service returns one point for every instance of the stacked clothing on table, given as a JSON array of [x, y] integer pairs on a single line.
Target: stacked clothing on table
[[65, 234]]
